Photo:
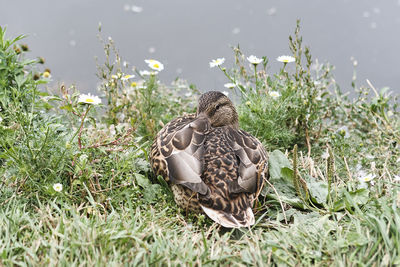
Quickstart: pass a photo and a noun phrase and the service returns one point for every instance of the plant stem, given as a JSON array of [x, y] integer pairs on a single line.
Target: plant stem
[[73, 137], [255, 75]]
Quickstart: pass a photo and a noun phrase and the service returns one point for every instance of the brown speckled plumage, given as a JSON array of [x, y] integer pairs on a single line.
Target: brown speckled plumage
[[211, 165]]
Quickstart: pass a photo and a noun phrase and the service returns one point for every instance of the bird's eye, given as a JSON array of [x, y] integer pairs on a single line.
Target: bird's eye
[[217, 106]]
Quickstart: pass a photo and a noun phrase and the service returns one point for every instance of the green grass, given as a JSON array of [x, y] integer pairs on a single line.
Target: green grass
[[316, 211]]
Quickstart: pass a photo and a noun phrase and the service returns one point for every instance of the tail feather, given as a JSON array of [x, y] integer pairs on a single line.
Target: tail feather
[[243, 219]]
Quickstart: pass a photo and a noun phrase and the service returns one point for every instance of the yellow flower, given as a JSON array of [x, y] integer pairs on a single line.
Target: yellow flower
[[89, 99], [133, 84], [46, 75]]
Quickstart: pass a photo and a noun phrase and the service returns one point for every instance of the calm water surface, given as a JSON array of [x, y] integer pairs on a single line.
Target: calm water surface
[[186, 35]]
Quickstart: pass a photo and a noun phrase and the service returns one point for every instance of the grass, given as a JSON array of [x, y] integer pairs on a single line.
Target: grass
[[320, 206]]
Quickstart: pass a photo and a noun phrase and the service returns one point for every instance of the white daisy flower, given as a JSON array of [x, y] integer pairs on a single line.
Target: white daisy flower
[[58, 187], [217, 62], [147, 73], [89, 99], [155, 64], [254, 60], [274, 94], [396, 178], [286, 59], [365, 177], [127, 77], [230, 85], [225, 93]]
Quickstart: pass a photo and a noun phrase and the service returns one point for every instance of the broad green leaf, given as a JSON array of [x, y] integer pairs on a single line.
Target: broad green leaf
[[142, 180], [356, 239], [318, 190], [277, 161], [359, 197], [151, 192]]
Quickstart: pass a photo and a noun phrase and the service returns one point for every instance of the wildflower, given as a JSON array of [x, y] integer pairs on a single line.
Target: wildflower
[[41, 60], [147, 73], [365, 178], [254, 60], [396, 178], [344, 131], [155, 64], [127, 77], [24, 47], [230, 85], [274, 94], [46, 75], [248, 103], [58, 187], [225, 93], [286, 59], [89, 99], [116, 76], [133, 84], [217, 62]]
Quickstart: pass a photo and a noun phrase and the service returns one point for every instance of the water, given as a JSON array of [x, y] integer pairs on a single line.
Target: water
[[186, 35]]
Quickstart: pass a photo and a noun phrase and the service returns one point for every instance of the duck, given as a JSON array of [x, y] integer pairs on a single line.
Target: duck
[[211, 165]]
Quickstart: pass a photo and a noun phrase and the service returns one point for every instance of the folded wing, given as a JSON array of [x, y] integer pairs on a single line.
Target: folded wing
[[252, 162], [182, 148]]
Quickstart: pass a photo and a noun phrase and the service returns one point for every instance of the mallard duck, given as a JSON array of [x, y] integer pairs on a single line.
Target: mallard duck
[[210, 164]]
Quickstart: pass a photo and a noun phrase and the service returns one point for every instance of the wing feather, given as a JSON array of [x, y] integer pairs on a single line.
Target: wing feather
[[181, 145], [252, 162]]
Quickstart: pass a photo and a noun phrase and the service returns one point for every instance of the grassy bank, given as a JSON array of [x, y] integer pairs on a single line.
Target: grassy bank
[[76, 186]]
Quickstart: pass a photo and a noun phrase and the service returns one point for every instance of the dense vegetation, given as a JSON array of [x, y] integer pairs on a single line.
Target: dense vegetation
[[76, 186]]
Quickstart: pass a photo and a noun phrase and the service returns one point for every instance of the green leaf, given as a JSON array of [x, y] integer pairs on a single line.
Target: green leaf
[[359, 197], [151, 192], [277, 161], [318, 190], [356, 239], [142, 180], [281, 177], [67, 107]]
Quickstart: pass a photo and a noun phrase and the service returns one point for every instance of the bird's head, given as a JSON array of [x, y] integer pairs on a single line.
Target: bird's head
[[218, 108]]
